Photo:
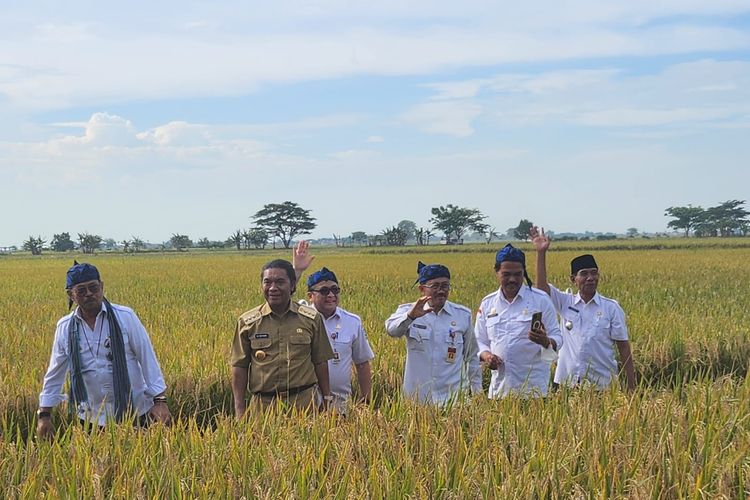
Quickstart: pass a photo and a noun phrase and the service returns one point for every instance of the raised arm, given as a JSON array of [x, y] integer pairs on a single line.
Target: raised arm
[[301, 258], [541, 245]]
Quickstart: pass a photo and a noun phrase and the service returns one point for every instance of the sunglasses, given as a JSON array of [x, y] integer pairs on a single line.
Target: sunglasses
[[108, 346], [82, 289], [326, 290]]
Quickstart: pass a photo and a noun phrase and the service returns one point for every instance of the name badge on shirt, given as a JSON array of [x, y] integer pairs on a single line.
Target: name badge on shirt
[[336, 358], [450, 356]]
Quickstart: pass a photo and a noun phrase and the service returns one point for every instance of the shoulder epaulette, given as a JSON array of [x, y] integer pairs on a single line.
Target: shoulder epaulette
[[251, 317], [307, 311]]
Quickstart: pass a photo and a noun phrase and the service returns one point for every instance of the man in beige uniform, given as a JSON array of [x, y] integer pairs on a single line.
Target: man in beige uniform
[[280, 348]]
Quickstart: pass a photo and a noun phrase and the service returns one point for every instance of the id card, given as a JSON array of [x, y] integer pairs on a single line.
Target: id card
[[450, 356], [336, 358]]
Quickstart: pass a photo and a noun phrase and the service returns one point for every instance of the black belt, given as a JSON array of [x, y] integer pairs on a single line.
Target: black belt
[[289, 392]]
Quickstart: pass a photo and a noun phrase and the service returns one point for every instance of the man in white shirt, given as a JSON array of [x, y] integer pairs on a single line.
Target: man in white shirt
[[519, 355], [108, 354], [347, 337], [592, 325], [441, 350]]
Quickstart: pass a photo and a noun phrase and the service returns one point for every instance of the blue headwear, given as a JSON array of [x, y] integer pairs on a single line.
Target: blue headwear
[[80, 273], [509, 253], [429, 272], [322, 275]]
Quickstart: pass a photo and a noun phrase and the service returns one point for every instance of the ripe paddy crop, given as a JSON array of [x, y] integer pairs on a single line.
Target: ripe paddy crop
[[684, 433]]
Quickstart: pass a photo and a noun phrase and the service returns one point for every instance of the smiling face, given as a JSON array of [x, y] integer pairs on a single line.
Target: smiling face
[[511, 279], [438, 290], [324, 295], [586, 280], [88, 295], [277, 288]]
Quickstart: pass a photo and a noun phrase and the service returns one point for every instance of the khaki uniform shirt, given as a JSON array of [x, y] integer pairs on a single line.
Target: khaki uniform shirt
[[280, 351]]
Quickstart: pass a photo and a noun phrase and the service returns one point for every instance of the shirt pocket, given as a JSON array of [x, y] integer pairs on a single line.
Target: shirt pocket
[[419, 337], [300, 346], [263, 346]]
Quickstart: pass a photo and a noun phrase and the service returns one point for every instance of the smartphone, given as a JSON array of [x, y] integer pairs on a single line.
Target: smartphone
[[536, 321]]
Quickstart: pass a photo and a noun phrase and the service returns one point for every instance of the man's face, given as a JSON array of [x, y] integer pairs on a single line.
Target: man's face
[[510, 277], [325, 297], [586, 280], [438, 290], [276, 286], [89, 295]]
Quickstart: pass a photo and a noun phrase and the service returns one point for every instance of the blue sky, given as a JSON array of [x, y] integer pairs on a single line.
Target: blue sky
[[187, 117]]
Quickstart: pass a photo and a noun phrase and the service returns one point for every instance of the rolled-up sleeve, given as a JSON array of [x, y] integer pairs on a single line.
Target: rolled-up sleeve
[[619, 329], [146, 356], [361, 350], [54, 379], [480, 331]]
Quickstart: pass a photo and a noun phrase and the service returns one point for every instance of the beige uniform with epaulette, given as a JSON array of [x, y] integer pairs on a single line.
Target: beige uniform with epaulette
[[280, 352]]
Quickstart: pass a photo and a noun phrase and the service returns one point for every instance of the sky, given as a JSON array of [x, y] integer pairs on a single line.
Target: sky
[[148, 119]]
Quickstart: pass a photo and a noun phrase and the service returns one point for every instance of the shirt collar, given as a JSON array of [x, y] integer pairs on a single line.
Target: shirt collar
[[519, 296], [77, 311], [265, 309], [596, 299]]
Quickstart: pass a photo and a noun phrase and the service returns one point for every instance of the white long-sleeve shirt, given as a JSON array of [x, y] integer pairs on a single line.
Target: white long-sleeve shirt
[[588, 352], [146, 379], [502, 328], [441, 353]]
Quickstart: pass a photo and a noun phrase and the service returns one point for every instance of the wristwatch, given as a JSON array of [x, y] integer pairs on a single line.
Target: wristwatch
[[328, 398], [43, 414], [160, 399]]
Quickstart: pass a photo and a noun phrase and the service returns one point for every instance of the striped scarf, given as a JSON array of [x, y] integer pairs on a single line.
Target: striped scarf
[[121, 380]]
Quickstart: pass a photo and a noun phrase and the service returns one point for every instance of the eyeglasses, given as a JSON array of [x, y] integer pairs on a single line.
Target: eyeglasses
[[82, 289], [443, 287], [585, 273], [326, 290]]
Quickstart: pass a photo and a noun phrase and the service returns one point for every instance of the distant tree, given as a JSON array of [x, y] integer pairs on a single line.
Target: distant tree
[[285, 221], [109, 243], [489, 234], [686, 218], [204, 243], [236, 239], [395, 236], [258, 237], [359, 237], [62, 242], [521, 231], [632, 232], [454, 221], [180, 241], [138, 244], [410, 227], [34, 245], [89, 242], [125, 245]]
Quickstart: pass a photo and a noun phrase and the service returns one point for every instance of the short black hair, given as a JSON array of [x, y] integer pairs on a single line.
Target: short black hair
[[281, 264]]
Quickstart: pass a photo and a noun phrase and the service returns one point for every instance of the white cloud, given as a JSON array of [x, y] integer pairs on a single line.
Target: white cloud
[[375, 139], [444, 117]]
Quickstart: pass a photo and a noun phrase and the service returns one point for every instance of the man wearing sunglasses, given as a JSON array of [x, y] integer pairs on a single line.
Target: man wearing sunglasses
[[347, 337], [441, 350], [106, 350], [592, 325]]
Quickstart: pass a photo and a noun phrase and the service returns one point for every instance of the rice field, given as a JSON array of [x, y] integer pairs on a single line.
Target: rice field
[[685, 433]]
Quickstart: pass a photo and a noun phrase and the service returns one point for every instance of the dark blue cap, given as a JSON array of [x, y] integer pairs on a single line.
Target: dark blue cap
[[429, 272], [509, 253], [80, 273], [322, 275]]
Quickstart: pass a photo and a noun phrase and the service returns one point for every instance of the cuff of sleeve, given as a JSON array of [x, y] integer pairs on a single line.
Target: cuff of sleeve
[[155, 389], [548, 354], [47, 401]]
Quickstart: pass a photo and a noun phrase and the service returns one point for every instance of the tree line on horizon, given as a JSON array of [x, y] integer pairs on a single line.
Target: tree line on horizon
[[283, 222]]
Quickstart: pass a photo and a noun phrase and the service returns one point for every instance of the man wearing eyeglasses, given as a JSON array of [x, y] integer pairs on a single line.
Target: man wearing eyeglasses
[[441, 350], [592, 325], [280, 348], [347, 337], [108, 354]]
